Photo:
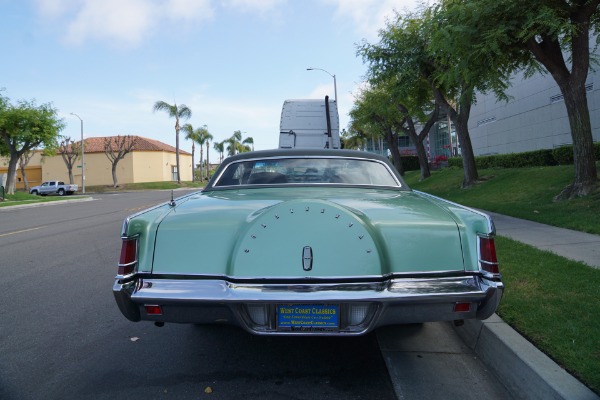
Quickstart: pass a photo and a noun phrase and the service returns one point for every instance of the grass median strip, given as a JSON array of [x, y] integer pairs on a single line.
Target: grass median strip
[[552, 301], [555, 303]]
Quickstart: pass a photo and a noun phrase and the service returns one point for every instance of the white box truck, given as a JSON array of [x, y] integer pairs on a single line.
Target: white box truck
[[309, 123]]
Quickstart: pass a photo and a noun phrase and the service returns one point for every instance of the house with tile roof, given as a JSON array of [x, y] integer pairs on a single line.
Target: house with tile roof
[[149, 161]]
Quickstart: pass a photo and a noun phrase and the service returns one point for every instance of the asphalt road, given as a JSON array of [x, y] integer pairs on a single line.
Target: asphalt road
[[62, 336]]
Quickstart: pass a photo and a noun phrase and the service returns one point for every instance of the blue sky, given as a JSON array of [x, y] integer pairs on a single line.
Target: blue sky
[[233, 62]]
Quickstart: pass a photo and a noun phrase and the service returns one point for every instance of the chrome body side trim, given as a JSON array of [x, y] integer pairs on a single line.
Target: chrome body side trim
[[490, 222]]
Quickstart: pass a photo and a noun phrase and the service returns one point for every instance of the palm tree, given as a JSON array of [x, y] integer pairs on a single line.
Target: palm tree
[[220, 148], [233, 143], [209, 137], [249, 140], [203, 137], [192, 135], [181, 112]]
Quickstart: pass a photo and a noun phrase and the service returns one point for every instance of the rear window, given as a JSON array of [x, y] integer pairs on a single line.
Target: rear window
[[291, 171]]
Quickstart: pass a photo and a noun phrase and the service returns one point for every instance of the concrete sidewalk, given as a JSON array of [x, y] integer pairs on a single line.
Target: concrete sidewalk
[[526, 371], [579, 246]]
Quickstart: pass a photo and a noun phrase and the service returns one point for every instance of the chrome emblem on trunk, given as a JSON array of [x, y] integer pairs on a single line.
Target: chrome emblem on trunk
[[307, 258]]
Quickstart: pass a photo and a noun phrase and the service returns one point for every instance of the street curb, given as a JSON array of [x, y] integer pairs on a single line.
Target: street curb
[[45, 203], [525, 371]]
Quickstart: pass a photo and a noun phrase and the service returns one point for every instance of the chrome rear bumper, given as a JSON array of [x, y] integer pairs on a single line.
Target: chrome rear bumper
[[394, 301]]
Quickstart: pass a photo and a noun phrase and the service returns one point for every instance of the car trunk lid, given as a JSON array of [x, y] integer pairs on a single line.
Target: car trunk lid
[[307, 233]]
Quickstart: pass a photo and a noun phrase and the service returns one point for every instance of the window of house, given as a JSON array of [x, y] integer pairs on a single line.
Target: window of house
[[174, 172]]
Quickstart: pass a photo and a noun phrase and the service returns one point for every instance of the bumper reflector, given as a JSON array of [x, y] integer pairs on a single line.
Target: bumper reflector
[[258, 314], [357, 313], [152, 309], [462, 307]]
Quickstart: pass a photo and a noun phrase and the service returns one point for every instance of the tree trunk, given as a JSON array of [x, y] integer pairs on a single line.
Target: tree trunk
[[423, 162], [549, 53], [461, 119], [177, 153], [24, 175], [11, 174], [418, 138], [586, 175], [194, 165], [390, 137], [207, 163], [201, 157], [114, 174], [466, 148]]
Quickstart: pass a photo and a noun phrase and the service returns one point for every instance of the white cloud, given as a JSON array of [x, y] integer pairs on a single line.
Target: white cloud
[[195, 10], [123, 23], [113, 20], [369, 16], [319, 92], [53, 8], [259, 6]]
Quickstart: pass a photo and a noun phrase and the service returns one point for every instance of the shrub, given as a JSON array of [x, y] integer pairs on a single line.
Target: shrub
[[538, 158], [410, 163], [563, 155]]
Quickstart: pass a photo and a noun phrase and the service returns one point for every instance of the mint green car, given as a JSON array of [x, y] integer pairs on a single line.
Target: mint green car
[[307, 242]]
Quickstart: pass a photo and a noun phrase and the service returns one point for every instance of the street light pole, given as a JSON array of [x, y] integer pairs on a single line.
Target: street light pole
[[332, 75], [82, 156]]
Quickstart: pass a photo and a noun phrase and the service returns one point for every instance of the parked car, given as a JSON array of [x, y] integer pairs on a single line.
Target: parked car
[[307, 242], [53, 187]]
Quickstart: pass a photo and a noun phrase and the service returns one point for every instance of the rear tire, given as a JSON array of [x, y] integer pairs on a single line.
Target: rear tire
[[61, 192]]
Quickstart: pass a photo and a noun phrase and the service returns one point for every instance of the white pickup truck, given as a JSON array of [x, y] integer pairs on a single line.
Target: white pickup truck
[[53, 187]]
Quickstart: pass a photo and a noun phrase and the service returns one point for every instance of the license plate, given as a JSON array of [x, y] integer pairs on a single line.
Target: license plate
[[308, 316]]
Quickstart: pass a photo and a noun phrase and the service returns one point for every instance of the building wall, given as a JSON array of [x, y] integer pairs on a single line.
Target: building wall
[[139, 166], [535, 117], [154, 166], [135, 167], [33, 171]]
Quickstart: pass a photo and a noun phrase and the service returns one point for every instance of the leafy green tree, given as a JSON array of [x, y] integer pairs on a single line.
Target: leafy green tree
[[374, 111], [24, 127], [354, 138], [547, 36], [411, 54], [177, 112]]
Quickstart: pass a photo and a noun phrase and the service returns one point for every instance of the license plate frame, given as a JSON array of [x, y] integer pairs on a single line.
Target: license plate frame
[[308, 317]]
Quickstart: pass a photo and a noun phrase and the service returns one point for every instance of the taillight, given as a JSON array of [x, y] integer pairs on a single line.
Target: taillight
[[128, 259], [487, 255]]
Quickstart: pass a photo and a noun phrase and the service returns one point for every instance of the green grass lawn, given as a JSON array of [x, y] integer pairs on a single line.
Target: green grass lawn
[[555, 303], [519, 192], [20, 198], [552, 301]]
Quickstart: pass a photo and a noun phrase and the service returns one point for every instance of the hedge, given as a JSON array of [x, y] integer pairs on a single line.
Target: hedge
[[410, 163], [559, 156]]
